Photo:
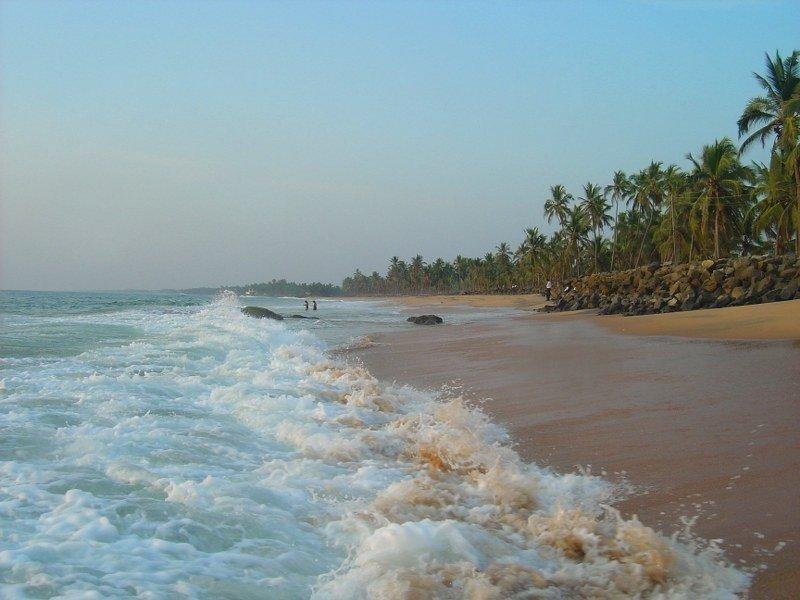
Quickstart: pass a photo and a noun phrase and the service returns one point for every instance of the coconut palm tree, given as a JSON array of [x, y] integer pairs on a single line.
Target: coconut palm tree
[[461, 269], [416, 269], [394, 272], [631, 230], [718, 179], [596, 209], [647, 193], [774, 203], [674, 187], [575, 232], [557, 204], [535, 244], [777, 113], [618, 189]]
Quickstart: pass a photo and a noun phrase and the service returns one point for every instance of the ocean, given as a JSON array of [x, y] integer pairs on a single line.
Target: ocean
[[163, 445]]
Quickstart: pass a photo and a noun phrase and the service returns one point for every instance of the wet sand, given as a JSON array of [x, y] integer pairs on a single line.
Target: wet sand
[[705, 429], [446, 301]]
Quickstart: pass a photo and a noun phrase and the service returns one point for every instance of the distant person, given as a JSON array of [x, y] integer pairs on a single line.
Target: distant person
[[314, 302], [548, 289], [306, 303]]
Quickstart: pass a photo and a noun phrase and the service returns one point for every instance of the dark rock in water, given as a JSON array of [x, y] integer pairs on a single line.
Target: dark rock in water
[[258, 312], [303, 317], [426, 320]]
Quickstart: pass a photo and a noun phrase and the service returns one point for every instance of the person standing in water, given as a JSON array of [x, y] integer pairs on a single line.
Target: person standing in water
[[314, 302], [306, 303]]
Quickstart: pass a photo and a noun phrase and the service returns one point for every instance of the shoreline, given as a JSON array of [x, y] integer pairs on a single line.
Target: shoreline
[[769, 321], [680, 419], [524, 302]]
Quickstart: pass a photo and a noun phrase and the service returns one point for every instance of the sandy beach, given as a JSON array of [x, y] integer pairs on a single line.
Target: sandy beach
[[702, 429], [516, 301]]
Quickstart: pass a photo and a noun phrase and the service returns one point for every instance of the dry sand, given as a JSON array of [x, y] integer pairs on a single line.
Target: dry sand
[[774, 321], [705, 429]]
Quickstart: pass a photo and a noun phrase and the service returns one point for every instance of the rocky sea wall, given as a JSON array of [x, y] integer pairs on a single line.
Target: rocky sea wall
[[667, 287]]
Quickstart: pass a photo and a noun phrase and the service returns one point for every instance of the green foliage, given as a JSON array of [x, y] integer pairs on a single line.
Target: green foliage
[[719, 207], [279, 287]]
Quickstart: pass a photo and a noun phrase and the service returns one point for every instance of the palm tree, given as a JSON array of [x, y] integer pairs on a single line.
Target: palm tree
[[557, 204], [774, 206], [461, 269], [777, 113], [575, 230], [674, 184], [647, 193], [618, 189], [534, 247], [596, 209], [416, 271], [393, 274], [503, 264], [718, 179], [438, 273]]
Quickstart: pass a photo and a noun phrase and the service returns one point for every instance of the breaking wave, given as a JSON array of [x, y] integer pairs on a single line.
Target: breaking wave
[[221, 456]]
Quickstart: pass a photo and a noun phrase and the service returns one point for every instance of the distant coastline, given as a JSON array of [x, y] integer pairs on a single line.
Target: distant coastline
[[276, 287]]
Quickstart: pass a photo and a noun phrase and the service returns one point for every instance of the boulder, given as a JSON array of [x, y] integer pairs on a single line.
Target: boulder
[[663, 287], [721, 301], [426, 320], [790, 290], [258, 312]]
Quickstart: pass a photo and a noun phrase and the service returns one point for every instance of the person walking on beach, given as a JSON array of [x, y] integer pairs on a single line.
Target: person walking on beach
[[548, 289], [314, 302], [306, 303]]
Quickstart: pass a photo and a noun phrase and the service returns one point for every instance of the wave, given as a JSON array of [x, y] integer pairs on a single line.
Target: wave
[[222, 456]]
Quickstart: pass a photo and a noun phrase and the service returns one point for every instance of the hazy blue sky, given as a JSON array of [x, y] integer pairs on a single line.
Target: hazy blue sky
[[155, 144]]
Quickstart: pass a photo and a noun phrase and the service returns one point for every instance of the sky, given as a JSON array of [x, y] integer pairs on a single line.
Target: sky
[[180, 144]]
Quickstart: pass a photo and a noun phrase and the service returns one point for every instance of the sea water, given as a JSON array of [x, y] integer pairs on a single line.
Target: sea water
[[167, 446]]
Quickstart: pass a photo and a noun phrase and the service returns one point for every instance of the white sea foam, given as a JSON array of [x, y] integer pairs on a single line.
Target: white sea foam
[[225, 457]]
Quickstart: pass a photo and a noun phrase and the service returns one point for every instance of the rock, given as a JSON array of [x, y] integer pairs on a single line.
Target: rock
[[426, 320], [745, 273], [790, 290], [765, 284], [729, 284], [721, 301], [303, 317], [257, 312], [737, 292], [663, 287]]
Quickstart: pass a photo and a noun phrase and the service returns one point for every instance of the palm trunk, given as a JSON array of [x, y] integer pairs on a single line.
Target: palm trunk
[[616, 224], [716, 232], [644, 237], [595, 250], [797, 208], [674, 237]]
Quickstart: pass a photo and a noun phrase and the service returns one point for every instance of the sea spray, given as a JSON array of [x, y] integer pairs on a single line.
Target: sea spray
[[211, 455]]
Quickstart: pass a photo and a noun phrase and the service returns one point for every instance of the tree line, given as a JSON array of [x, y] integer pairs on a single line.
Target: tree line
[[277, 287], [717, 206]]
